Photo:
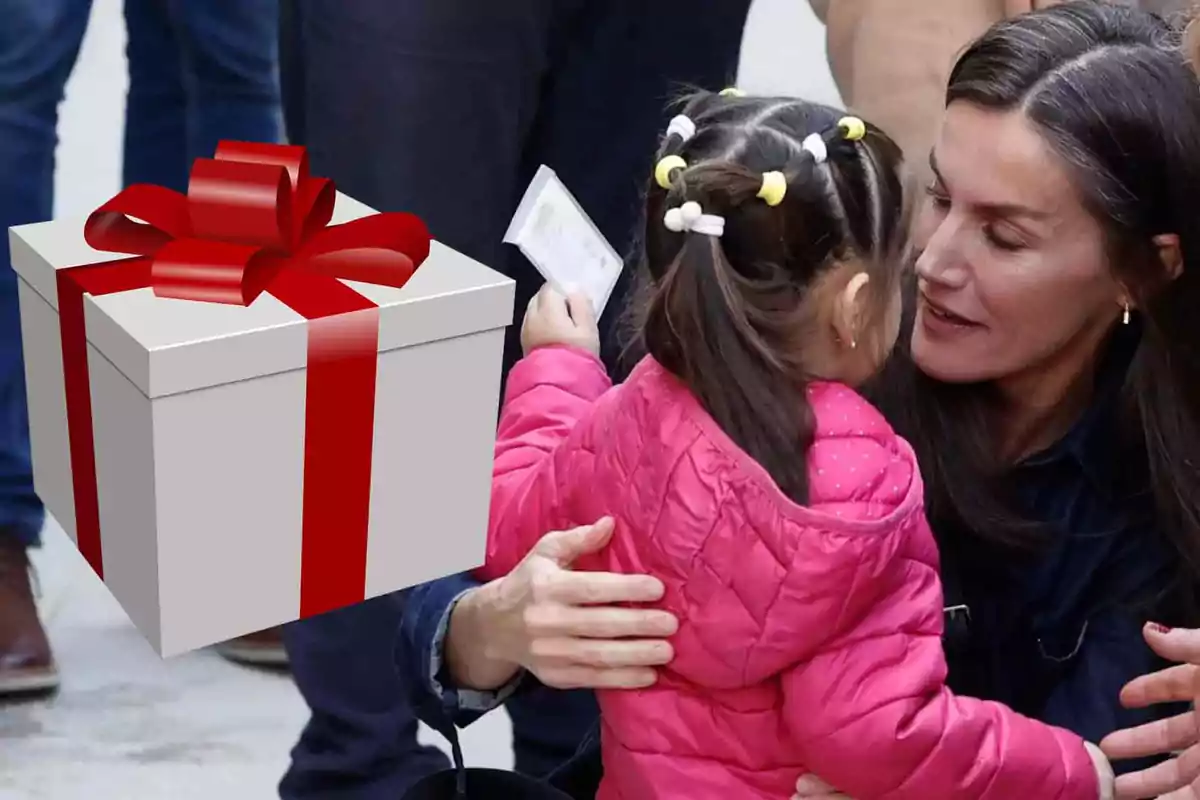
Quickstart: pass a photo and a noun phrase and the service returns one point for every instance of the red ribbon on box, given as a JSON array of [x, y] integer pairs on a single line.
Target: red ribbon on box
[[254, 220]]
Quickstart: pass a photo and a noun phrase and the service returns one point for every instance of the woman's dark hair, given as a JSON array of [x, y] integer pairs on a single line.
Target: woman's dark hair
[[1111, 90], [725, 314]]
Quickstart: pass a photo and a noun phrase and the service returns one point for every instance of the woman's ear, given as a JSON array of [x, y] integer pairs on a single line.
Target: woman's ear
[[848, 310], [1170, 254]]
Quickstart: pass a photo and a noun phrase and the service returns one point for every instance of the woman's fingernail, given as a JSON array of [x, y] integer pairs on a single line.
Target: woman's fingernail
[[1157, 628]]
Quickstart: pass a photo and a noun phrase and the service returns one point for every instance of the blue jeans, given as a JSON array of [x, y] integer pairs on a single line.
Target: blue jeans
[[198, 72]]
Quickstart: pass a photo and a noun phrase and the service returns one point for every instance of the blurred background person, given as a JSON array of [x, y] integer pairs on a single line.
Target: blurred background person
[[891, 60], [199, 71], [446, 109]]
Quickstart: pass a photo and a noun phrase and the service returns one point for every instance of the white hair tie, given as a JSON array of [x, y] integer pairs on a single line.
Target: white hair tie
[[682, 127], [814, 143], [690, 217]]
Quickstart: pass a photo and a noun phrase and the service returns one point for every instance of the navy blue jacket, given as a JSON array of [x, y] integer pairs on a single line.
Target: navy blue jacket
[[1055, 634]]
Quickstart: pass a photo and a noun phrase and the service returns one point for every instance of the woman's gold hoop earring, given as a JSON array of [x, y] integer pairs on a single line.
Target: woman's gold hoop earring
[[1125, 316]]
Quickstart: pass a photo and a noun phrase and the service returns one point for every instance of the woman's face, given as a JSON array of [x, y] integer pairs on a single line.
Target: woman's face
[[1011, 267]]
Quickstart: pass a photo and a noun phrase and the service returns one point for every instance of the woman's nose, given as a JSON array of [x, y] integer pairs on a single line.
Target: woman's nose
[[940, 260]]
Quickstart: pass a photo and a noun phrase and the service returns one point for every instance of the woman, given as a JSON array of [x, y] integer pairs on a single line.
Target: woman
[[1051, 388]]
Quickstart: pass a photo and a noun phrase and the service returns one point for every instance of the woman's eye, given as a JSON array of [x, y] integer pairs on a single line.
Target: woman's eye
[[1002, 241], [938, 195]]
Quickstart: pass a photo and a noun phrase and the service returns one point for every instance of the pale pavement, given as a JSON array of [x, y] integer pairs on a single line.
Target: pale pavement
[[128, 725]]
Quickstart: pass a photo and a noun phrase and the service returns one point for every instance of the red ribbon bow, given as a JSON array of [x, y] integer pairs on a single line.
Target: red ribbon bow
[[254, 220]]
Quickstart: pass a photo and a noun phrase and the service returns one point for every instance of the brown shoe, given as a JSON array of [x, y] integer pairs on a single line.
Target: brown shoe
[[262, 649], [26, 662]]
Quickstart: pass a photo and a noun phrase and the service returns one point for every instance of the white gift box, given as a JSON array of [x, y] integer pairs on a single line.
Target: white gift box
[[198, 416]]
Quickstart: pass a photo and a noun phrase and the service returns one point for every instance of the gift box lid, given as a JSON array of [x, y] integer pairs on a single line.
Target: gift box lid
[[167, 346]]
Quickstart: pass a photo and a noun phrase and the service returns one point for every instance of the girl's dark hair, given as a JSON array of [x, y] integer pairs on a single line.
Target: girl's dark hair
[[726, 315], [1111, 90]]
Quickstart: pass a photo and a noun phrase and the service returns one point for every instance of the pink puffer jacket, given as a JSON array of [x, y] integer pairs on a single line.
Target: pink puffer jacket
[[809, 637]]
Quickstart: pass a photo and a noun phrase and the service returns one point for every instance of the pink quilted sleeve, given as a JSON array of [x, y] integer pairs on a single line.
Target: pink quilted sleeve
[[869, 707], [549, 393]]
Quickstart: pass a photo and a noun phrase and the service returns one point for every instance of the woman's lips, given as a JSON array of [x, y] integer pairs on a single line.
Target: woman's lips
[[942, 319]]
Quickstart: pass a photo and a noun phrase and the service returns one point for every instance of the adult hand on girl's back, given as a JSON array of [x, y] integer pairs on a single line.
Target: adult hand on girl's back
[[552, 319], [1178, 778], [563, 626]]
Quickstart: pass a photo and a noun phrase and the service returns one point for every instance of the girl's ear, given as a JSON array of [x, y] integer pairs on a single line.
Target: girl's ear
[[848, 310]]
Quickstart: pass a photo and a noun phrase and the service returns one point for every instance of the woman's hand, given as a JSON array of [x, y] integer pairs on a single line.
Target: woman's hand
[[1179, 778], [552, 319], [565, 627]]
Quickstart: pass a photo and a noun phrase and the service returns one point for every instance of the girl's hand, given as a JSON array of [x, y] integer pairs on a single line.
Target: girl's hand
[[810, 787], [552, 319], [1178, 778], [1104, 772]]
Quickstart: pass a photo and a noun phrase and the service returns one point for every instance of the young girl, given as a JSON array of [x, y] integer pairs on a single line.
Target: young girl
[[741, 467]]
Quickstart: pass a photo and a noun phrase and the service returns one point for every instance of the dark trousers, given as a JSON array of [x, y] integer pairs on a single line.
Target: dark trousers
[[447, 109], [198, 72]]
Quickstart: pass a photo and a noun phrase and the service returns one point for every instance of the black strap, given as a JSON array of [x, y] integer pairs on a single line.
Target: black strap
[[460, 767], [489, 783]]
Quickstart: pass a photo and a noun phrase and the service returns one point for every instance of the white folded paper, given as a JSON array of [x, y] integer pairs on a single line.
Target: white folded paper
[[558, 237]]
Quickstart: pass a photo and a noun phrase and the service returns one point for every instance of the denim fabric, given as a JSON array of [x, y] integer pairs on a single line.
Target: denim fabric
[[199, 72], [38, 44]]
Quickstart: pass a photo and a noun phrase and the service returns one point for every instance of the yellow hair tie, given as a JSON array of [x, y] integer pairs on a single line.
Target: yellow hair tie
[[853, 128], [774, 187], [732, 91], [662, 170]]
